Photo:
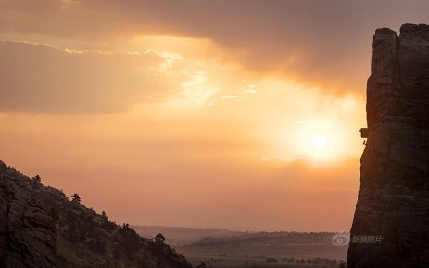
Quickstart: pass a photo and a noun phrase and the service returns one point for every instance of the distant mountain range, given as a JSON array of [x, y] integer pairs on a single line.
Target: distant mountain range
[[226, 248], [179, 236]]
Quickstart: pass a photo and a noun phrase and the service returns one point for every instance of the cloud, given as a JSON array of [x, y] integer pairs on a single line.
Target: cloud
[[169, 59], [229, 97], [251, 91], [322, 43], [44, 79], [312, 40]]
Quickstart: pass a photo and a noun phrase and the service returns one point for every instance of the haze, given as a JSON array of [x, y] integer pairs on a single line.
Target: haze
[[237, 114]]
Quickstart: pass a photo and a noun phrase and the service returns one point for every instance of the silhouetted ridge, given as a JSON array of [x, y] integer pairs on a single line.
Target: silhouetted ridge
[[41, 228]]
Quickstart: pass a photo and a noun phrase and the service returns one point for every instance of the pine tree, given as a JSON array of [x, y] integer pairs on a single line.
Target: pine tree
[[159, 238], [37, 179], [104, 215], [76, 199]]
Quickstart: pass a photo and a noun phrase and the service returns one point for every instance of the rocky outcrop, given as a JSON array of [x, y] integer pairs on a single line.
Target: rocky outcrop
[[391, 222], [41, 228], [27, 234]]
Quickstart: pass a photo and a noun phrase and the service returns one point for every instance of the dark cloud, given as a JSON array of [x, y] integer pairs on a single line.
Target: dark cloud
[[317, 41], [44, 79]]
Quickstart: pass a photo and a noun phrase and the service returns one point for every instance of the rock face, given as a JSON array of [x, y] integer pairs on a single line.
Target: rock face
[[41, 228], [27, 234], [391, 222]]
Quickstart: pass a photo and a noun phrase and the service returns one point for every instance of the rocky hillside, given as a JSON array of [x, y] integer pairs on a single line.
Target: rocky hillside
[[41, 228], [391, 222]]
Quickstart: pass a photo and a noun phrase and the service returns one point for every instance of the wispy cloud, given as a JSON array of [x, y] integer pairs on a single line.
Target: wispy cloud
[[229, 97]]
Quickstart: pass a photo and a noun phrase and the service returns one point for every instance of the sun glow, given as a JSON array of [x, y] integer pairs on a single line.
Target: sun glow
[[319, 138], [319, 142]]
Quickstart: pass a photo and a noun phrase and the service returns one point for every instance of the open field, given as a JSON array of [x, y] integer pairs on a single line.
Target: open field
[[249, 255]]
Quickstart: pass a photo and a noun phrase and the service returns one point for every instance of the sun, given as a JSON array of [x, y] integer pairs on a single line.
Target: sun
[[319, 142], [318, 139]]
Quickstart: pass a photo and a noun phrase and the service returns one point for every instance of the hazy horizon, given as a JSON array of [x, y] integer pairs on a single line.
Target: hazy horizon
[[240, 115]]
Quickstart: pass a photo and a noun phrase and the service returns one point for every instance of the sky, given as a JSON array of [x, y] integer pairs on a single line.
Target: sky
[[237, 114]]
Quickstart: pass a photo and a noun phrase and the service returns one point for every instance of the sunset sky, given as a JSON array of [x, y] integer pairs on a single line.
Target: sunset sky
[[238, 114]]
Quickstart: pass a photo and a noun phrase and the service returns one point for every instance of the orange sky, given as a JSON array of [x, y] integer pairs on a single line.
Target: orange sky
[[215, 114]]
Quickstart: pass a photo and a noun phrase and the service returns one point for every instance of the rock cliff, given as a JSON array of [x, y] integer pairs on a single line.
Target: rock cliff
[[391, 222], [41, 228], [26, 230]]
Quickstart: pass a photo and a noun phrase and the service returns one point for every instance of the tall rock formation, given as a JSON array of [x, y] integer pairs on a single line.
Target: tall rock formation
[[391, 222]]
